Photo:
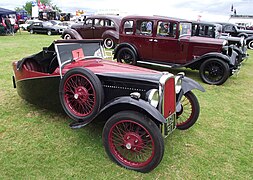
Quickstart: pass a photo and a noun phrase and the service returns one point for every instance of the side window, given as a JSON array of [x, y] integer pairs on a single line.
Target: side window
[[88, 21], [167, 29], [228, 28], [128, 27], [99, 22], [109, 23], [144, 27]]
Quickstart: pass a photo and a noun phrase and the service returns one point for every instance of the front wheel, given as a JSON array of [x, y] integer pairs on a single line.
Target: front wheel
[[67, 36], [127, 56], [49, 32], [133, 141], [250, 44], [31, 31], [187, 111], [214, 71]]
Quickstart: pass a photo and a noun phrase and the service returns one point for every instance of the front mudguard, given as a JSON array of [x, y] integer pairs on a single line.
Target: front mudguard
[[122, 104], [188, 84]]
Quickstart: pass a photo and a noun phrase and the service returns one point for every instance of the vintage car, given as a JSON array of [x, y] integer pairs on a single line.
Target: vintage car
[[214, 30], [44, 28], [234, 31], [159, 40], [140, 106], [96, 27]]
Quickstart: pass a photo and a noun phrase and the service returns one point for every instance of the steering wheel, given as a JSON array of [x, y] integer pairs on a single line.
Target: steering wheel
[[53, 65]]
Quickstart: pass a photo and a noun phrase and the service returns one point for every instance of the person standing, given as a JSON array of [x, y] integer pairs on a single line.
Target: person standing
[[12, 21]]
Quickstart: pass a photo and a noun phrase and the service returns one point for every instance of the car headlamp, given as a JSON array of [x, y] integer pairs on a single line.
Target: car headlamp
[[225, 42], [153, 97], [178, 82]]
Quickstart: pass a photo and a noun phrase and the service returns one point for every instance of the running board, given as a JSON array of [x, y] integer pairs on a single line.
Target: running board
[[161, 65]]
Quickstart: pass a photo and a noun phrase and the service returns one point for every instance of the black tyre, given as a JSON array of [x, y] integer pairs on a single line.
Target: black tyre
[[81, 94], [127, 56], [250, 44], [109, 43], [133, 141], [31, 31], [67, 36], [49, 32], [189, 111], [214, 71]]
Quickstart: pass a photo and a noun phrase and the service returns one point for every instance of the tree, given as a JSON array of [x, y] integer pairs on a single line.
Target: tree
[[28, 7]]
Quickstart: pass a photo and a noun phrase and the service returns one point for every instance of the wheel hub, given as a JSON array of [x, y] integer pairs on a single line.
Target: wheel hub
[[133, 141], [81, 93]]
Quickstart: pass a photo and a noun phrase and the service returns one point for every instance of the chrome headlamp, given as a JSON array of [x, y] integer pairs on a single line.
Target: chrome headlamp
[[153, 97], [178, 82], [225, 42]]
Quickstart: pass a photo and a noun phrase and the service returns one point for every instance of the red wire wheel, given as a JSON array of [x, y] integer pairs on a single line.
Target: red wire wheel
[[133, 141], [81, 94], [189, 112]]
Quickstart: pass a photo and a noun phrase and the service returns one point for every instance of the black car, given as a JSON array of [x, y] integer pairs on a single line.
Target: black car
[[234, 31], [44, 28], [214, 30]]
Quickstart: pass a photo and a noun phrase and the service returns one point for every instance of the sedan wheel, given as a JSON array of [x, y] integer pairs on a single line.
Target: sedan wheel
[[250, 44], [127, 56], [214, 71], [31, 31], [49, 32], [67, 36], [133, 141], [108, 43]]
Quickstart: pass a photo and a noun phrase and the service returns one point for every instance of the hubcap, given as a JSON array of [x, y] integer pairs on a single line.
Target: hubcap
[[133, 141]]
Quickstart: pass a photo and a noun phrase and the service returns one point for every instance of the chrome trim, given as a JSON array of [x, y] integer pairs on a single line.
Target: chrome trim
[[154, 64]]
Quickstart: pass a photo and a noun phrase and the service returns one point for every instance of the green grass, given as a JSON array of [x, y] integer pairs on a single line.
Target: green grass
[[38, 144]]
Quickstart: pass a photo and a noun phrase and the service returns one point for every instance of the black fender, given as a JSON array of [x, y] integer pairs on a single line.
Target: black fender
[[243, 34], [248, 39], [72, 32], [189, 84], [122, 104], [121, 45], [111, 33]]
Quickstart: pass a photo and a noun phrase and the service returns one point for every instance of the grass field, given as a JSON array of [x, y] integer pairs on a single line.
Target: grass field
[[38, 144]]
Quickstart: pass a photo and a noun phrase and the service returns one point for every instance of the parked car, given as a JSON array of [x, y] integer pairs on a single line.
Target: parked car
[[140, 106], [157, 40], [28, 23], [213, 30], [44, 28], [95, 27], [234, 31]]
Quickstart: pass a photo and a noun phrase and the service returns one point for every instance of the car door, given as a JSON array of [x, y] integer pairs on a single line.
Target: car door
[[99, 28], [166, 46], [87, 29]]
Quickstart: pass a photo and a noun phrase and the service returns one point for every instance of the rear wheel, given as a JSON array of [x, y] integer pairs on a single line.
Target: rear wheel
[[188, 112], [133, 141], [49, 32], [81, 94], [31, 31], [214, 71], [109, 43], [127, 56], [250, 44], [67, 36]]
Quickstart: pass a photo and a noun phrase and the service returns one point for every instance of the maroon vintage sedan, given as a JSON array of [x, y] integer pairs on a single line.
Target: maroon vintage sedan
[[159, 40], [140, 106], [96, 27]]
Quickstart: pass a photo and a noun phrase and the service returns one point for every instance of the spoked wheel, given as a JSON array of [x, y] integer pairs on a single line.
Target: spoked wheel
[[188, 112], [81, 94], [250, 44], [214, 71], [133, 141], [109, 43], [127, 56]]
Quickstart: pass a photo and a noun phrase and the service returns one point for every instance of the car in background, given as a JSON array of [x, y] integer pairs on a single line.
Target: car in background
[[234, 31], [28, 23], [44, 28], [164, 41], [214, 30], [96, 27], [140, 106]]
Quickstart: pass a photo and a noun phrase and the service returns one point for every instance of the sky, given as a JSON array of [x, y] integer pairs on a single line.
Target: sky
[[209, 10]]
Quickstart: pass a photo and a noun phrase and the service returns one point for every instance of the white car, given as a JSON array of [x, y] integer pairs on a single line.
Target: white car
[[28, 23]]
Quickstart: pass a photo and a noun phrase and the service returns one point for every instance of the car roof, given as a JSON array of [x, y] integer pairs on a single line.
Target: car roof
[[156, 17], [115, 18]]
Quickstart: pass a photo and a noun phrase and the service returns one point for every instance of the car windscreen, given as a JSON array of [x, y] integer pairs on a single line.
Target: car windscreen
[[78, 51]]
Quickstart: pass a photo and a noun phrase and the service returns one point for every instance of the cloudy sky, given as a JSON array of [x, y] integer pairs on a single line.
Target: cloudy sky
[[211, 10]]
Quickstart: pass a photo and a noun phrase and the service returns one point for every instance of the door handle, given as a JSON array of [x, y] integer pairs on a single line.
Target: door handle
[[150, 40], [155, 40], [92, 27]]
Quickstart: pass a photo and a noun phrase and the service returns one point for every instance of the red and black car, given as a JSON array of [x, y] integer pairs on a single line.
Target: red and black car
[[140, 106]]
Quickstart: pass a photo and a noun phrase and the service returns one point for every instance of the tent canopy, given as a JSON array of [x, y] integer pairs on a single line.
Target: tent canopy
[[6, 11]]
